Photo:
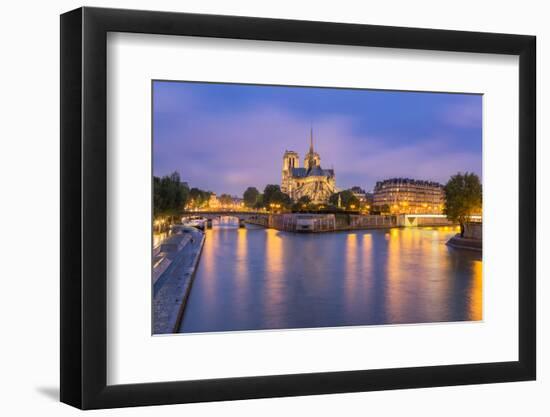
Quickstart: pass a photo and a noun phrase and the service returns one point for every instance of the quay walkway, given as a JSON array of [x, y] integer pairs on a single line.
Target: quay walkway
[[172, 285]]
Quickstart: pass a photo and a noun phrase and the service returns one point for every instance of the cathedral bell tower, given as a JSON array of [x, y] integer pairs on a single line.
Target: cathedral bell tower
[[290, 160]]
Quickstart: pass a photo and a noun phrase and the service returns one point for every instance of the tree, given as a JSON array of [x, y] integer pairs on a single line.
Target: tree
[[304, 202], [347, 200], [198, 198], [274, 195], [270, 193], [179, 190], [385, 209], [226, 200], [259, 202], [169, 195], [250, 197], [463, 198]]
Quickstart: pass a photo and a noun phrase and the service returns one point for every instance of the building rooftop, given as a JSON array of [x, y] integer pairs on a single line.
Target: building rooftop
[[407, 181], [313, 172]]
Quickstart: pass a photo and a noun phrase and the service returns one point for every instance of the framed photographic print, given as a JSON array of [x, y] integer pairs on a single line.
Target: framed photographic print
[[258, 207]]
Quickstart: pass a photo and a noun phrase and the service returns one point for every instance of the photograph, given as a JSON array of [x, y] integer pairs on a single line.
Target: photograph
[[338, 205], [293, 207]]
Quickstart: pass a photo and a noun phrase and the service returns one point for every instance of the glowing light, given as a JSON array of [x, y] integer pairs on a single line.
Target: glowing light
[[476, 298]]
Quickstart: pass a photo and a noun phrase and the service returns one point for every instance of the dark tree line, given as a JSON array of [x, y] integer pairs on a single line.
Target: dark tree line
[[271, 198], [274, 196], [198, 198], [274, 199], [346, 199], [170, 195], [252, 197], [226, 200], [463, 198]]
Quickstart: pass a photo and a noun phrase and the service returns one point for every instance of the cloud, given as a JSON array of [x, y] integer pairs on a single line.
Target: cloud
[[464, 115], [228, 152]]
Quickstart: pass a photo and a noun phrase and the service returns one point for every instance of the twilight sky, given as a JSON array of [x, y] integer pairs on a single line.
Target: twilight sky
[[226, 137]]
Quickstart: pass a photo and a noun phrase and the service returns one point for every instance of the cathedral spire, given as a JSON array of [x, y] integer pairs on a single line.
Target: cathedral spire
[[311, 140]]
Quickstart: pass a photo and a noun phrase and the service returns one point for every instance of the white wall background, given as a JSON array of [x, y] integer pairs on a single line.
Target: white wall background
[[29, 172]]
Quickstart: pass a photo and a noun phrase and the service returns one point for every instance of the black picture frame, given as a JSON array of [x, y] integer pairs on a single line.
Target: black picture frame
[[84, 207]]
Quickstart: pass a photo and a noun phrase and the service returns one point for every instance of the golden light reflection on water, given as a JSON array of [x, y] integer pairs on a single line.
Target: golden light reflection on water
[[274, 250], [241, 271], [436, 285], [241, 276], [476, 292], [433, 289], [395, 301], [208, 265], [274, 268], [351, 275], [367, 253]]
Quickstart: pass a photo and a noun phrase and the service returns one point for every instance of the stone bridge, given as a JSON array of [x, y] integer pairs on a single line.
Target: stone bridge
[[258, 218], [241, 215]]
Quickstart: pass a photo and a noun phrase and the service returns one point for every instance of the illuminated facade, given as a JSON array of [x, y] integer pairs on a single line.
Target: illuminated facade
[[408, 196], [365, 199], [213, 201], [312, 181]]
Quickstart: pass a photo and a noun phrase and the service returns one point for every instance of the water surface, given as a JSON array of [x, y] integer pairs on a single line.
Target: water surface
[[251, 279]]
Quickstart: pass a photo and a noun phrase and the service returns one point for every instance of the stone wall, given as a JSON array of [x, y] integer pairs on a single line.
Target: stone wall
[[304, 222], [473, 231], [418, 221], [371, 221]]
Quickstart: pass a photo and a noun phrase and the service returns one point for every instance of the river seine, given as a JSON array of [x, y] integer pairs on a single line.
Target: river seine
[[255, 278]]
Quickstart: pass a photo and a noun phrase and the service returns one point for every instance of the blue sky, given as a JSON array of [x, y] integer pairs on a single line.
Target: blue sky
[[226, 137]]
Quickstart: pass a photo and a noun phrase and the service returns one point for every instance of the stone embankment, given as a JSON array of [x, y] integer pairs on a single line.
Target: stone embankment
[[173, 273], [472, 239], [317, 223]]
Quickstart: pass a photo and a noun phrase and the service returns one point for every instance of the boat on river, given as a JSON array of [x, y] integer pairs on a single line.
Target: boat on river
[[196, 222]]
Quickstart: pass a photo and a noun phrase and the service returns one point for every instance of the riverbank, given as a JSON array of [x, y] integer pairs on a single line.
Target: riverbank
[[472, 239], [465, 243], [172, 287], [319, 223]]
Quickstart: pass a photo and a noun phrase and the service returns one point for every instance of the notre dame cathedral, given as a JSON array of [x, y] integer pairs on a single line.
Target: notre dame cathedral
[[312, 181]]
